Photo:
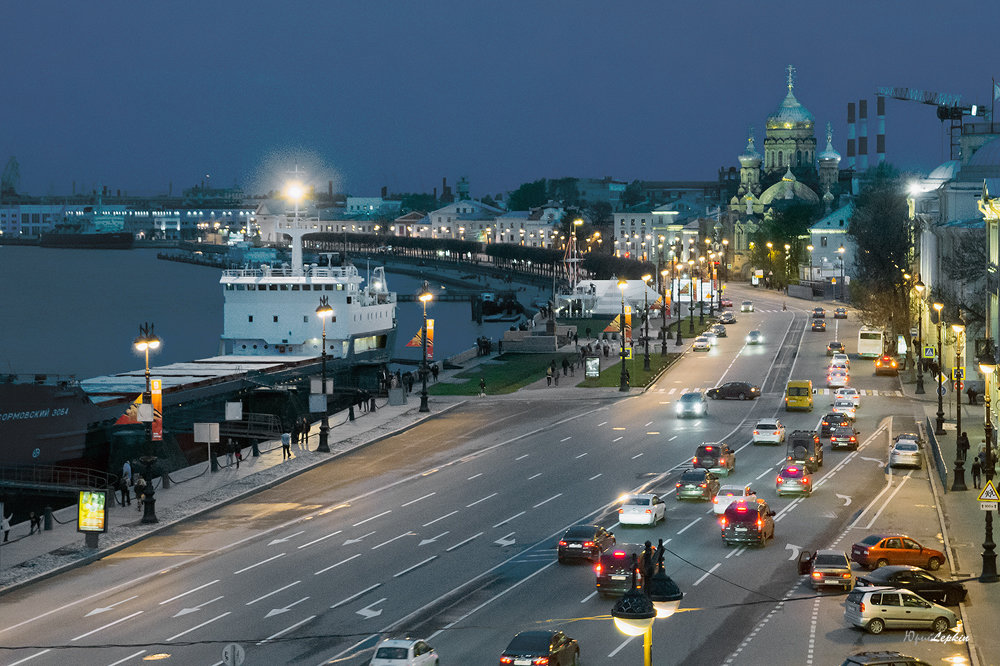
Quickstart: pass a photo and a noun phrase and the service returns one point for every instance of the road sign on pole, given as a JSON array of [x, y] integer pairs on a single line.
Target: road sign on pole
[[928, 351], [943, 390], [958, 373]]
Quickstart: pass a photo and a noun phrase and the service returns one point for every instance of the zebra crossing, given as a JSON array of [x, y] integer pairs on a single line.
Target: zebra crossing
[[819, 391]]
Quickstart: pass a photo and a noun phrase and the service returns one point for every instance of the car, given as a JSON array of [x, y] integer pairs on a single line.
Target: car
[[819, 325], [727, 317], [882, 658], [719, 330], [876, 608], [836, 378], [793, 480], [804, 448], [840, 358], [879, 550], [725, 302], [844, 437], [692, 403], [907, 436], [840, 313], [768, 431], [613, 570], [716, 458], [915, 579], [701, 343], [736, 390], [404, 652], [886, 365], [713, 339], [746, 306], [832, 420], [755, 337], [532, 647], [818, 313], [838, 366], [826, 568], [642, 509], [747, 521], [730, 492], [905, 453], [697, 484], [848, 393], [835, 347], [845, 407], [584, 542]]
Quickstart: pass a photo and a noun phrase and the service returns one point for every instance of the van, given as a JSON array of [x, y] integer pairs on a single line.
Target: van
[[799, 395], [747, 520]]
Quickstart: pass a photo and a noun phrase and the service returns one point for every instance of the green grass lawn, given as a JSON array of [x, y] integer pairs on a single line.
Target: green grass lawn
[[639, 378], [515, 371]]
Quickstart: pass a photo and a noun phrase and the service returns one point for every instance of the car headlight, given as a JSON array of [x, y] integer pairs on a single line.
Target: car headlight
[[679, 408]]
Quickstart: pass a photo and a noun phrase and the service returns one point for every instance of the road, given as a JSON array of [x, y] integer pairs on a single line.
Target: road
[[448, 531]]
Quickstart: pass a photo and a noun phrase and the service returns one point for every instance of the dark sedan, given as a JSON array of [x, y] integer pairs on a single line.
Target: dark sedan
[[585, 542], [736, 390], [542, 647], [915, 579], [831, 421], [727, 317], [818, 313], [819, 325]]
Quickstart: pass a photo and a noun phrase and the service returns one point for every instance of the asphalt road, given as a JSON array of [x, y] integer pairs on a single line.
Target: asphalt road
[[448, 531]]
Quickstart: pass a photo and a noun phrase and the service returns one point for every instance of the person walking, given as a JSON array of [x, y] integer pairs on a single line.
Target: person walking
[[140, 492], [5, 526], [127, 472], [296, 431], [548, 376], [565, 366], [305, 433], [976, 473], [286, 446], [126, 495], [482, 387], [36, 522], [434, 371], [230, 459], [963, 446]]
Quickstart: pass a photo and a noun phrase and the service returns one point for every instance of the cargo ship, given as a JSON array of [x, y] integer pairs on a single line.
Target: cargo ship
[[93, 229]]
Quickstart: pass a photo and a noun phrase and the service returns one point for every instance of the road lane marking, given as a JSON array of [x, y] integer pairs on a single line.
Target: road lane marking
[[530, 478], [194, 609], [618, 428], [353, 597], [198, 626], [685, 529], [621, 647], [565, 439], [284, 539], [284, 609], [322, 538], [602, 423], [405, 534], [708, 573], [616, 439], [469, 506], [285, 631], [653, 432], [39, 654], [337, 564], [109, 624], [764, 473], [648, 424], [580, 456], [672, 438], [888, 500], [183, 594], [116, 663], [588, 597], [593, 477], [259, 563], [103, 609], [417, 500], [636, 456], [548, 500], [462, 543], [734, 552], [521, 457], [474, 476], [507, 520], [418, 564], [378, 515], [441, 518]]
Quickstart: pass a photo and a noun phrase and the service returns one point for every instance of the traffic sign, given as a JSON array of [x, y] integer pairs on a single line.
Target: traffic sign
[[989, 493], [958, 373], [942, 390], [988, 506], [628, 352], [928, 351], [959, 385]]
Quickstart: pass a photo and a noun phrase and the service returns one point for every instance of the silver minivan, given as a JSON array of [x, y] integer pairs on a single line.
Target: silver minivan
[[876, 609]]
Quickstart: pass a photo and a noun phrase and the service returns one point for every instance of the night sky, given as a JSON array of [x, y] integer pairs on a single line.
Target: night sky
[[142, 96]]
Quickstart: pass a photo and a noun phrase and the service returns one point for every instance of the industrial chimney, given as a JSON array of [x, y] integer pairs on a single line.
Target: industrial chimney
[[880, 136], [863, 135], [850, 136]]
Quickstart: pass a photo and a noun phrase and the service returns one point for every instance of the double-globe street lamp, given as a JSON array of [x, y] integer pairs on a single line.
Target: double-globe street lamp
[[919, 287], [939, 423], [691, 299], [145, 342], [958, 483], [634, 613], [324, 312], [840, 251], [701, 289], [663, 311], [425, 297], [623, 378], [645, 306], [988, 366], [788, 264]]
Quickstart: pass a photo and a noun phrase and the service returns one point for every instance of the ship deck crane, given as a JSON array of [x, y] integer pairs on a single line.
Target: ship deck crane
[[949, 108]]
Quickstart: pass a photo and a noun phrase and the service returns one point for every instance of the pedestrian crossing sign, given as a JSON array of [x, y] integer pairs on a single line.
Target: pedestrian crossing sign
[[928, 351], [628, 353], [959, 373], [989, 493]]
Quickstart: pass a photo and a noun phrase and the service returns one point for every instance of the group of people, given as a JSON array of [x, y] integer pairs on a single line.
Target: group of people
[[128, 482], [33, 516]]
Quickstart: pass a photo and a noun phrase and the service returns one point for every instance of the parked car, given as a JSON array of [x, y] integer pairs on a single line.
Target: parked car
[[728, 493], [642, 509], [531, 647], [879, 550], [584, 542], [826, 568], [746, 306], [876, 609], [915, 579], [768, 431], [882, 658], [691, 404], [716, 458], [886, 365], [697, 484], [736, 390], [404, 652], [793, 480], [747, 521]]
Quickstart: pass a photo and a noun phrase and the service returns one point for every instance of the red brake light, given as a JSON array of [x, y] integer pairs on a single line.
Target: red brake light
[[694, 461], [817, 574], [598, 568], [678, 484], [588, 544], [715, 500], [862, 609], [702, 485], [562, 543], [708, 448], [805, 479], [780, 480], [793, 469], [621, 510], [648, 511], [741, 508], [541, 661], [756, 432], [723, 520], [619, 554], [506, 660]]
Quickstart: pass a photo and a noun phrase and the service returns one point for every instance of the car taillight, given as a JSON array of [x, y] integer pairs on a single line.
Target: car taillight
[[861, 607], [694, 461], [598, 568], [715, 500], [541, 661], [723, 521], [648, 511], [854, 439], [817, 574], [506, 660], [805, 479], [678, 484], [846, 575], [619, 554], [562, 543], [702, 485], [780, 480], [760, 523], [588, 544], [621, 510]]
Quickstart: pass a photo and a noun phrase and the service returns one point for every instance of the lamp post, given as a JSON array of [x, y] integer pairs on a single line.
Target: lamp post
[[958, 483], [810, 248], [634, 614], [788, 267], [425, 297], [770, 262], [711, 278], [919, 286], [146, 341], [939, 426], [645, 306], [701, 289], [691, 304], [988, 365], [623, 379], [663, 310], [725, 260], [840, 251], [324, 312], [676, 302]]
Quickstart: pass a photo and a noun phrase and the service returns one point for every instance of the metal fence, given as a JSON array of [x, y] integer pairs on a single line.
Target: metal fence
[[53, 478], [935, 448]]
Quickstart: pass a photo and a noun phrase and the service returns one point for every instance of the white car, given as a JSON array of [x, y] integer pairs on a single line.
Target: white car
[[746, 306], [770, 431], [839, 365], [729, 493], [841, 357], [642, 509], [404, 652], [845, 407], [848, 393], [713, 339], [701, 343], [905, 453], [836, 378]]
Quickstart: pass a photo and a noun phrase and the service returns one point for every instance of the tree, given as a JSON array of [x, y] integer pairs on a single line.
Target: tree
[[601, 213], [564, 190], [528, 196], [782, 226], [420, 202], [633, 194], [965, 288]]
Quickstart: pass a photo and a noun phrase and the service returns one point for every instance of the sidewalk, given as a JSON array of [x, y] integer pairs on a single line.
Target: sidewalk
[[963, 526]]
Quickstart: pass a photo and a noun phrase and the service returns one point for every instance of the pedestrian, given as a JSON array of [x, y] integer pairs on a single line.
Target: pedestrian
[[565, 366], [398, 381], [371, 404], [587, 331], [482, 387], [5, 526], [305, 433], [434, 371], [239, 455], [576, 340], [140, 492], [963, 446], [976, 473], [972, 395], [499, 347], [230, 458], [296, 431], [548, 376], [126, 495], [127, 472], [286, 446], [36, 522], [555, 377]]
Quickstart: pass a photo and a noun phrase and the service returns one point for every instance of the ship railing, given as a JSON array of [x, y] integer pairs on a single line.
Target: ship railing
[[46, 379], [53, 477]]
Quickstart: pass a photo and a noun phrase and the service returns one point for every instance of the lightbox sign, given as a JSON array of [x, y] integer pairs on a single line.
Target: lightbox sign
[[91, 511]]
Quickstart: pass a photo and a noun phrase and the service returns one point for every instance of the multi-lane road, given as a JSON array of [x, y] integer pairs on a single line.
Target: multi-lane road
[[448, 532]]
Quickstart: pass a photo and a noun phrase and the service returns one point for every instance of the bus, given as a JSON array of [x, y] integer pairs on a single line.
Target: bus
[[871, 343]]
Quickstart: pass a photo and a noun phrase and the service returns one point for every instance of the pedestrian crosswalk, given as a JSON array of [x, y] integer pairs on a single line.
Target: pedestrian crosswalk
[[819, 391]]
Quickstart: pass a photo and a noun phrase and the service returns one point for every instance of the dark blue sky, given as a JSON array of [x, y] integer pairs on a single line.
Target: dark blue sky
[[138, 95]]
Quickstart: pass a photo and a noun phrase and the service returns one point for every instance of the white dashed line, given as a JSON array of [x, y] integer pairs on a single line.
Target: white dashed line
[[636, 456], [688, 526], [483, 499], [708, 573], [593, 477], [474, 476], [580, 456]]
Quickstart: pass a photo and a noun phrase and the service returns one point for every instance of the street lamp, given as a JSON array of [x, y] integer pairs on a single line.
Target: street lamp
[[645, 305], [725, 259], [840, 251], [663, 309], [988, 365], [425, 297], [634, 614], [810, 248], [919, 286], [146, 341], [701, 289], [788, 272], [939, 426], [324, 312], [623, 379], [691, 295], [675, 279], [958, 483], [711, 278]]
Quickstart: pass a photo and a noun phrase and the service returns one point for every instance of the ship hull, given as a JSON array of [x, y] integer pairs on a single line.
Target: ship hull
[[117, 240]]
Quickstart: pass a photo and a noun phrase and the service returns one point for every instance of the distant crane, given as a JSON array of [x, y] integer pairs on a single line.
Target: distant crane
[[949, 107], [11, 178]]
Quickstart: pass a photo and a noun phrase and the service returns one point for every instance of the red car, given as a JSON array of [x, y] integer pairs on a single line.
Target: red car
[[725, 303], [878, 550]]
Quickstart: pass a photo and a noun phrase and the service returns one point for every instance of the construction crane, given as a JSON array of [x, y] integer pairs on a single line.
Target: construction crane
[[949, 108]]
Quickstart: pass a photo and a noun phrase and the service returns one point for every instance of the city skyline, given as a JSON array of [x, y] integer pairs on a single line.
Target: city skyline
[[150, 99]]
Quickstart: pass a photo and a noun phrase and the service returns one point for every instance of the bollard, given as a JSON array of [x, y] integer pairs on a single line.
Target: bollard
[[255, 449], [48, 518], [350, 413], [165, 480], [214, 461]]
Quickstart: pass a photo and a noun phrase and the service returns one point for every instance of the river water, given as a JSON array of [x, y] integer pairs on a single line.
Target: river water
[[76, 312]]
